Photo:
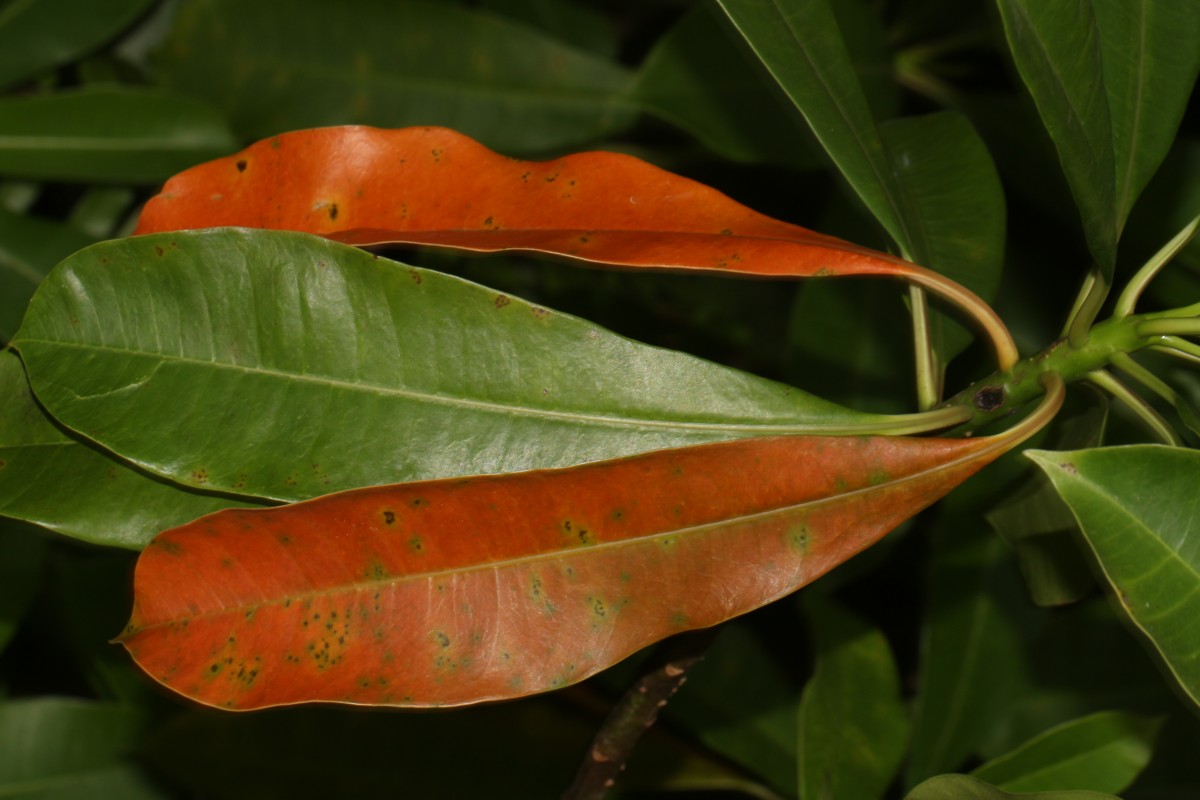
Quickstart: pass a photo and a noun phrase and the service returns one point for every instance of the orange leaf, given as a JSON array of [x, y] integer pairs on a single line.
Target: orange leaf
[[467, 590], [434, 186]]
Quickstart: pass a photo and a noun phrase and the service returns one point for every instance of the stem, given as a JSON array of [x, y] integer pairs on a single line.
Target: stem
[[1170, 327], [1087, 307], [1180, 348], [966, 300], [1133, 290], [928, 386], [1144, 410], [636, 711], [1160, 387], [1003, 392]]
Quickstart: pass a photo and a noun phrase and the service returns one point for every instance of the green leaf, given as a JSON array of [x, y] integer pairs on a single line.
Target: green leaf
[[22, 550], [1150, 58], [802, 47], [108, 134], [72, 487], [1038, 525], [576, 24], [1056, 47], [38, 34], [1103, 752], [971, 647], [740, 703], [1137, 509], [59, 749], [696, 77], [949, 190], [853, 725], [29, 247], [392, 65], [965, 787], [281, 365]]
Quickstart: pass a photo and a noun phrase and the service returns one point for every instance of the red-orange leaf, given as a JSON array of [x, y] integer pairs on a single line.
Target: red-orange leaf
[[467, 590], [434, 186]]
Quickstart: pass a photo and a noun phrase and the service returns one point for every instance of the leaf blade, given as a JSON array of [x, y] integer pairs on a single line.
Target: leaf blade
[[1123, 499], [609, 563], [401, 373]]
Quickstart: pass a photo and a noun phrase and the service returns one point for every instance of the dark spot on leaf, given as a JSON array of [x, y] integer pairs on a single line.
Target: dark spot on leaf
[[200, 476], [487, 223], [417, 502], [598, 607], [726, 232], [415, 544], [416, 276], [241, 165], [169, 547], [158, 251], [618, 514], [989, 398], [501, 301], [333, 211], [389, 517], [437, 154], [285, 539], [442, 639]]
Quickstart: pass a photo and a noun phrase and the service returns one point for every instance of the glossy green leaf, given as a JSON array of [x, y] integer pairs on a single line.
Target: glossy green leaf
[[1103, 752], [971, 647], [60, 749], [108, 134], [1037, 524], [801, 45], [1137, 509], [1150, 58], [195, 353], [699, 78], [29, 247], [853, 726], [1056, 47], [73, 487], [391, 65], [38, 34], [966, 787], [948, 186], [22, 550]]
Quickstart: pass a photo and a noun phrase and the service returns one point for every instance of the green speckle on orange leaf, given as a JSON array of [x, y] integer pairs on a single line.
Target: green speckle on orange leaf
[[878, 476], [415, 544], [535, 587], [679, 619], [617, 514], [797, 538], [441, 638], [597, 606]]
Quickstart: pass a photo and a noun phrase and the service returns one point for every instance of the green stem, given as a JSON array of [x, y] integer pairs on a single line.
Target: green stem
[[1005, 391], [1140, 407], [1133, 290], [1170, 327], [1180, 348], [1087, 308], [928, 386]]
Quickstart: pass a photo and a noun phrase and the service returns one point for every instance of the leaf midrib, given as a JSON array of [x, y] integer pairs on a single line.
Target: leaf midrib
[[436, 399]]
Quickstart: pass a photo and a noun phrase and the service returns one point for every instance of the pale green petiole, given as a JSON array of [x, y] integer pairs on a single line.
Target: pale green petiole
[[1133, 290], [1137, 404]]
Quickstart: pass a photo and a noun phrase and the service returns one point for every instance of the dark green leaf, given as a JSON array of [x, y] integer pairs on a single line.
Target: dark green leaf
[[101, 211], [853, 725], [391, 65], [740, 703], [802, 47], [965, 787], [108, 134], [1150, 58], [22, 549], [971, 648], [72, 487], [574, 23], [1056, 47], [1038, 525], [698, 78], [29, 247], [282, 365], [1137, 509], [1103, 752], [38, 34], [59, 749], [949, 190]]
